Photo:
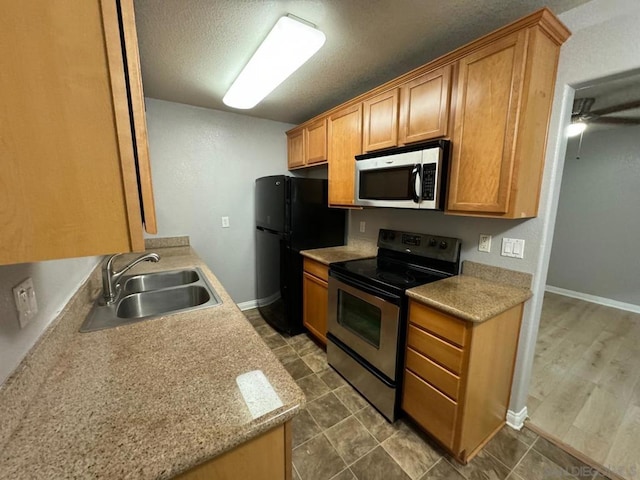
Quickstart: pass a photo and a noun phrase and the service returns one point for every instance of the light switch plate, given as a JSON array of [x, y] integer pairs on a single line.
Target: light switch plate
[[225, 222], [512, 247], [25, 297]]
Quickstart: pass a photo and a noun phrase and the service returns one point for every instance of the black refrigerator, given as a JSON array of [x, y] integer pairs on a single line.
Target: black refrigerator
[[292, 214]]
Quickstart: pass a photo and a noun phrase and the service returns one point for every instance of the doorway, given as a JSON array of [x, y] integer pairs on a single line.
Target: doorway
[[585, 386]]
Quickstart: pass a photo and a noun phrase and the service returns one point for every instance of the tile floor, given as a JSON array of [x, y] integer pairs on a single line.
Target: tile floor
[[339, 436]]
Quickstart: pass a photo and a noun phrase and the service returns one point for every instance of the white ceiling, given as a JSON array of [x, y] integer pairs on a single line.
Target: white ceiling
[[613, 91], [192, 50]]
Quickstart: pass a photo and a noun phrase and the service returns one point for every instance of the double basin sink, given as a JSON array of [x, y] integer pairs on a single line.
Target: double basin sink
[[151, 295]]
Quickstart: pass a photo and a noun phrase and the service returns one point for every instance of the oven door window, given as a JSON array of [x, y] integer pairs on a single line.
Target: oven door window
[[387, 184], [359, 317]]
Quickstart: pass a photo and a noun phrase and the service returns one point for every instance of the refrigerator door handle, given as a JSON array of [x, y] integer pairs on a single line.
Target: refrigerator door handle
[[269, 230]]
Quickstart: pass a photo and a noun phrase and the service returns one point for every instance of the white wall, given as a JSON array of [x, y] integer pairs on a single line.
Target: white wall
[[204, 165], [597, 229], [605, 40], [54, 282]]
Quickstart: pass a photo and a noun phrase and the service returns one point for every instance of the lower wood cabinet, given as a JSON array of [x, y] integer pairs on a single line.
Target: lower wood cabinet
[[458, 374], [315, 294], [266, 457]]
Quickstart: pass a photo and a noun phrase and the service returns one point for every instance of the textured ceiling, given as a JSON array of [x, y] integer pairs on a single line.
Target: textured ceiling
[[192, 50]]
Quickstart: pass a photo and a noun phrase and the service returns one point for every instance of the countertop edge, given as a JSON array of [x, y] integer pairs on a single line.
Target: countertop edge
[[329, 255], [487, 314], [470, 298]]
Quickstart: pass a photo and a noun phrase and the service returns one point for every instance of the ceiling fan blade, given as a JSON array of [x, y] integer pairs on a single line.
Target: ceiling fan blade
[[615, 120], [581, 106], [617, 108]]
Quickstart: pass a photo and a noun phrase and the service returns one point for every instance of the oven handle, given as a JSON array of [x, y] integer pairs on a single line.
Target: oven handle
[[362, 362], [389, 297]]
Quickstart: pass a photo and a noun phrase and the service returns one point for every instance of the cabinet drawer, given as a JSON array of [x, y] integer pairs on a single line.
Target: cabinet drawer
[[439, 377], [439, 323], [431, 409], [435, 348], [316, 268]]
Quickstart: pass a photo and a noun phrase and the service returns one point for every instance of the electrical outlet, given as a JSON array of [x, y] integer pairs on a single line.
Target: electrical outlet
[[26, 303], [484, 245], [512, 247], [362, 227], [225, 222]]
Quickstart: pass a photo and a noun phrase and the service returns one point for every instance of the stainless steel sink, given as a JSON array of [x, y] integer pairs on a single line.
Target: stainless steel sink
[[158, 302], [155, 281], [148, 296]]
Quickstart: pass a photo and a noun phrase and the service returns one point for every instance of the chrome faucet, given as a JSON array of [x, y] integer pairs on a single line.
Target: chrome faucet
[[110, 277]]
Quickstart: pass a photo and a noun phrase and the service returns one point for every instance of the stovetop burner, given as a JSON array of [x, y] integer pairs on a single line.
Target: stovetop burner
[[405, 260], [396, 278]]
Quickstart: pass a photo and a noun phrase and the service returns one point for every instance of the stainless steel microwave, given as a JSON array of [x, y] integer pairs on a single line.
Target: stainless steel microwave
[[406, 177]]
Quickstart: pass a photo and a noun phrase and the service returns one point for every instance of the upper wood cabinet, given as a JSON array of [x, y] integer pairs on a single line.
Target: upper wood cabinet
[[307, 145], [492, 98], [424, 106], [502, 110], [295, 148], [345, 142], [315, 142], [380, 127], [73, 133], [416, 111]]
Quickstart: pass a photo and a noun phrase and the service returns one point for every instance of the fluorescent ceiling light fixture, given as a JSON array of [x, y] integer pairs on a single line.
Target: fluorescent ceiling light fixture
[[288, 46], [576, 128]]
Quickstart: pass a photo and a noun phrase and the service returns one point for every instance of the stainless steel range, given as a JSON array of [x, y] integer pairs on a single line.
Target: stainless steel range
[[368, 310]]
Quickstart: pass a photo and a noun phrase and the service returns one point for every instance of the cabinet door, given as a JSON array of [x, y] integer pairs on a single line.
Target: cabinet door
[[345, 142], [315, 142], [489, 90], [431, 409], [295, 148], [68, 186], [138, 116], [424, 106], [380, 126], [315, 299]]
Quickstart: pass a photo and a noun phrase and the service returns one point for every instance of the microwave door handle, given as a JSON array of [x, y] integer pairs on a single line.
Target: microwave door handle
[[416, 182]]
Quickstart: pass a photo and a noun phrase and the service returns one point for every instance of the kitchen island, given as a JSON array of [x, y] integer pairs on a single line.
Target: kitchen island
[[148, 400]]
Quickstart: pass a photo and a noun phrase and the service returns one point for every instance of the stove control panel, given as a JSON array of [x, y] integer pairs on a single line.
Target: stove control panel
[[422, 244]]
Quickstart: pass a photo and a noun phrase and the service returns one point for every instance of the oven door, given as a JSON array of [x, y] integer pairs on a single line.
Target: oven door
[[367, 320]]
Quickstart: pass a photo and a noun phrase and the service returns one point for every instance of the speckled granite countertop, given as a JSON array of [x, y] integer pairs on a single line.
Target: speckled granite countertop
[[353, 251], [470, 298], [148, 400]]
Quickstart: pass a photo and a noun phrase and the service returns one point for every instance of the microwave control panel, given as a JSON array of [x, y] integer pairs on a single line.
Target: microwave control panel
[[429, 181]]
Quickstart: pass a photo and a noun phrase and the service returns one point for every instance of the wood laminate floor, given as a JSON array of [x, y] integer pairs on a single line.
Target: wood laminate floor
[[585, 386]]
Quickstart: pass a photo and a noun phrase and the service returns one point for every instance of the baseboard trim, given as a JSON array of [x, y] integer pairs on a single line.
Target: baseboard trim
[[259, 302], [516, 419], [248, 305], [607, 302]]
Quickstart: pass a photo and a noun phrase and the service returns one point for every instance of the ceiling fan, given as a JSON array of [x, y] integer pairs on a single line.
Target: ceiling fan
[[582, 112]]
